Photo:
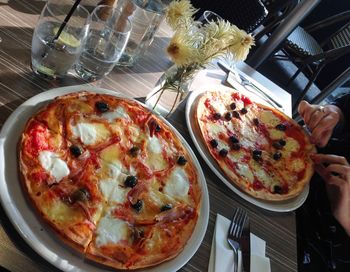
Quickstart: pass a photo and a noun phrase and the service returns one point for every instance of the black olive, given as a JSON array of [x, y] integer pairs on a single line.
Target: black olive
[[235, 114], [81, 194], [277, 156], [214, 143], [223, 152], [166, 207], [228, 116], [236, 146], [158, 128], [281, 127], [282, 142], [257, 155], [134, 151], [217, 116], [181, 160], [244, 111], [138, 205], [257, 152], [75, 150], [233, 139], [233, 106], [277, 145], [256, 121], [277, 189], [102, 106], [130, 181]]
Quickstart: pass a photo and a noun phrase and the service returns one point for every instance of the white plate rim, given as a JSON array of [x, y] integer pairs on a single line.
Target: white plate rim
[[284, 206], [32, 237]]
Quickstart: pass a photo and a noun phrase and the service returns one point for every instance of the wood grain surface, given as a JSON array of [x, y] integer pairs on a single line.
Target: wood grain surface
[[18, 83]]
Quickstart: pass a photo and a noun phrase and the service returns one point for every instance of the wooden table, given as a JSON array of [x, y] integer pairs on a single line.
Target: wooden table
[[18, 83]]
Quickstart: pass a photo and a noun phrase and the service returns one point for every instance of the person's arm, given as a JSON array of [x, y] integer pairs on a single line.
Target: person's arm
[[335, 171], [343, 103]]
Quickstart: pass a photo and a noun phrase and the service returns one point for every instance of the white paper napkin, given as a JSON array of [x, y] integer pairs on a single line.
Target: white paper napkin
[[221, 254]]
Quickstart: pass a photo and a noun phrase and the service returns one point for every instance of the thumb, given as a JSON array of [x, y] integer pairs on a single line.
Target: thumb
[[303, 105]]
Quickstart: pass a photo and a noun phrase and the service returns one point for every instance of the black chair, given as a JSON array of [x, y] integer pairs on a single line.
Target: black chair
[[277, 10], [245, 14], [310, 55]]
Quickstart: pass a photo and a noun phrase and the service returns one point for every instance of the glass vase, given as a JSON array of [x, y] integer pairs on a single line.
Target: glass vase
[[171, 89]]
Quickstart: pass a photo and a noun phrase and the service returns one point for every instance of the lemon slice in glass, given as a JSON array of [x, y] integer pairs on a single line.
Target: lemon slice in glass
[[67, 38], [46, 70]]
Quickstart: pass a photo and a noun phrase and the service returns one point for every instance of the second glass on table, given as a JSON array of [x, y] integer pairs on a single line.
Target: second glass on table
[[106, 41]]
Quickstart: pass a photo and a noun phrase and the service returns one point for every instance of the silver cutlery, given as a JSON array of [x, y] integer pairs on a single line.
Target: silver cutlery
[[232, 74], [235, 238]]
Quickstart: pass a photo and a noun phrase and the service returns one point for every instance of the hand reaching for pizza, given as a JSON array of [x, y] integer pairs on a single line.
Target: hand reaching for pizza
[[320, 120], [335, 171]]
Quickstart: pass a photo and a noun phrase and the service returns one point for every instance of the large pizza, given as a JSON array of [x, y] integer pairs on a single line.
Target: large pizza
[[261, 150], [112, 179]]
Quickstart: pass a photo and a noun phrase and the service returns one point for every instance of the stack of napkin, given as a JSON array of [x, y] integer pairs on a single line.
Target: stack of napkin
[[221, 255]]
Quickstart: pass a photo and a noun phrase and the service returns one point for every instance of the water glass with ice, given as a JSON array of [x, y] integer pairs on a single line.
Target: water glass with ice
[[108, 35], [52, 55]]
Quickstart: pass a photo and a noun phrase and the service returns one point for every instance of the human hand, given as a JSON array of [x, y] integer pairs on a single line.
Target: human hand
[[335, 171], [320, 120]]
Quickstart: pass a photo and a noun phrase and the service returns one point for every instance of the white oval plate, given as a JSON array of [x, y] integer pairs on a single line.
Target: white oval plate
[[38, 234], [281, 206]]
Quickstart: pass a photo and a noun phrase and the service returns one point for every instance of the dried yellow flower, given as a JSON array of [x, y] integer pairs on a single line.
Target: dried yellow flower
[[241, 47], [180, 12], [181, 49]]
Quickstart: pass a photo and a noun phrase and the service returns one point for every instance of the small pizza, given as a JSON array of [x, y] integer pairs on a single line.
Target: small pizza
[[112, 179], [261, 150]]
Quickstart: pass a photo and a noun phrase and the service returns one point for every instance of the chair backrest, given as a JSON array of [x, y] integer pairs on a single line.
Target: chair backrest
[[341, 38], [245, 14]]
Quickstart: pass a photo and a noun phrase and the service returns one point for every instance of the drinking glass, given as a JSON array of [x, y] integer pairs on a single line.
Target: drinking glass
[[209, 16], [108, 35], [145, 17], [53, 56]]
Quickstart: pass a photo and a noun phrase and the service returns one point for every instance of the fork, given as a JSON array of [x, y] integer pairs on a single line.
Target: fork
[[234, 234]]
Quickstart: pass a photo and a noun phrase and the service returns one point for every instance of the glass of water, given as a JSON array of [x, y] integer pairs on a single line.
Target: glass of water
[[52, 55], [146, 17], [108, 35]]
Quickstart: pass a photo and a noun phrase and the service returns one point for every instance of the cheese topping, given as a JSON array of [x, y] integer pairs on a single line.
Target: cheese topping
[[154, 145], [219, 107], [244, 171], [107, 186], [177, 185], [116, 114], [111, 230], [86, 132], [269, 118], [53, 164]]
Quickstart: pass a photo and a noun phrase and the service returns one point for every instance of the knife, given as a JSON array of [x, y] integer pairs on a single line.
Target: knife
[[245, 246], [234, 78]]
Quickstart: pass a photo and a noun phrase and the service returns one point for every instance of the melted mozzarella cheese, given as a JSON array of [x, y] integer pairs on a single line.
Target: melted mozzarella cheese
[[291, 145], [276, 134], [116, 114], [154, 145], [115, 169], [177, 185], [296, 165], [111, 230], [244, 171], [54, 165], [86, 132], [107, 187], [119, 194], [218, 106], [269, 118]]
